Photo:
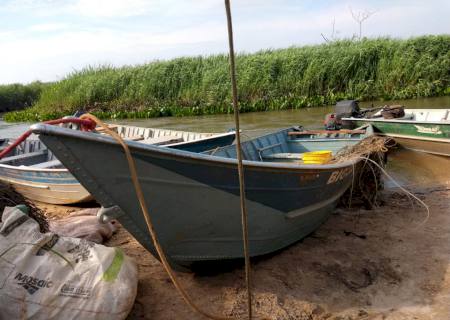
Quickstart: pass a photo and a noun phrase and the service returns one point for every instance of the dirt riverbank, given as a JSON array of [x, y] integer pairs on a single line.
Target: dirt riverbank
[[361, 264]]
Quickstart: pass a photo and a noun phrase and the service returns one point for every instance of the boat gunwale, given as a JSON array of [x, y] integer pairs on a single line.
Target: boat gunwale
[[186, 155], [29, 168], [31, 183]]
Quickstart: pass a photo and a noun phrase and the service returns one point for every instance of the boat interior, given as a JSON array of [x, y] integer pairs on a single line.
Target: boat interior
[[31, 153], [157, 136], [290, 145], [422, 115]]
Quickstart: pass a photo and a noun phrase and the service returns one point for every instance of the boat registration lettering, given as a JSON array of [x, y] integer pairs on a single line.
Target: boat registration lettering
[[430, 130], [339, 175]]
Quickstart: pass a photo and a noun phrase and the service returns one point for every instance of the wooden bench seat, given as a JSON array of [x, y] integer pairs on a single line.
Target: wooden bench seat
[[162, 140]]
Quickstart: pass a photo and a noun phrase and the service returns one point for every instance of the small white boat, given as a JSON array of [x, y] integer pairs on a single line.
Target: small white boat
[[32, 170]]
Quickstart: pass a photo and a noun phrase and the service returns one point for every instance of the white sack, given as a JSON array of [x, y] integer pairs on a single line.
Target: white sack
[[44, 276]]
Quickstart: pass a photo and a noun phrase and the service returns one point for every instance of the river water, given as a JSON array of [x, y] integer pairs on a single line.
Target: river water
[[407, 167]]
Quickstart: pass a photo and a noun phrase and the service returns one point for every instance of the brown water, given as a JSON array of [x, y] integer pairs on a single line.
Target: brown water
[[416, 169], [408, 167], [258, 122]]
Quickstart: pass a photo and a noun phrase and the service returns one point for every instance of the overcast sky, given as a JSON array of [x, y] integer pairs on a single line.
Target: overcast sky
[[47, 39]]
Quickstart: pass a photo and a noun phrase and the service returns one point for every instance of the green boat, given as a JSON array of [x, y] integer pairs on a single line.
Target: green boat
[[424, 130]]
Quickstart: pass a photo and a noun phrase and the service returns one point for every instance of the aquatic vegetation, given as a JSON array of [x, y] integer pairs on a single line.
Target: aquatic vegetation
[[295, 77]]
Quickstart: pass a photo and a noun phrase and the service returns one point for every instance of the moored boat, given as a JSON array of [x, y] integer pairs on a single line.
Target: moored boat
[[194, 197], [425, 130], [35, 172]]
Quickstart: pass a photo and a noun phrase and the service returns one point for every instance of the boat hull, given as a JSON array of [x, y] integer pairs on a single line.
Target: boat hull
[[419, 136], [194, 199], [50, 186]]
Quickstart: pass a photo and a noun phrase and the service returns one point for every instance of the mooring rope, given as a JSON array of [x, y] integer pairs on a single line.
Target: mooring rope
[[244, 217]]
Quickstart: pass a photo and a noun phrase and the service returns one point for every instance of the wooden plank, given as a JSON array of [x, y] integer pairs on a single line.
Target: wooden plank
[[310, 132], [162, 140], [297, 156]]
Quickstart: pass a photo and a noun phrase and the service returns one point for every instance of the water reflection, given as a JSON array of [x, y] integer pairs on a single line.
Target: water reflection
[[417, 169]]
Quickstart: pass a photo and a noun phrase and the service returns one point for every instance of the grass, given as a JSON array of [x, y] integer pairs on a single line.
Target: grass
[[280, 79]]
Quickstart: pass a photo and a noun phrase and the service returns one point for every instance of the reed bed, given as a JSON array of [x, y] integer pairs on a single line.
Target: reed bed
[[290, 78]]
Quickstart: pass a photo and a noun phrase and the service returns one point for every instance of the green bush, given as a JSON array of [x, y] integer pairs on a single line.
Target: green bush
[[18, 96]]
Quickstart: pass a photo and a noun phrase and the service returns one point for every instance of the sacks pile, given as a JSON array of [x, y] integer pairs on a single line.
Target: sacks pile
[[45, 276]]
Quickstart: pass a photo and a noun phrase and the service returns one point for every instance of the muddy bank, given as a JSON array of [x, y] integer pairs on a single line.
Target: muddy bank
[[385, 263]]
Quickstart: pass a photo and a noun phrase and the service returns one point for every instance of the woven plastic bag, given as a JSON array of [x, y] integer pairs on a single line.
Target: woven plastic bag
[[44, 276]]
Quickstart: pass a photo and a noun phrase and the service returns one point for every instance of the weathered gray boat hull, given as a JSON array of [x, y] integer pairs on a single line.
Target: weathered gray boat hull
[[194, 198]]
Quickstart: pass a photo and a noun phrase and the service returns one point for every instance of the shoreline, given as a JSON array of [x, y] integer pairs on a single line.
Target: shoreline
[[360, 264]]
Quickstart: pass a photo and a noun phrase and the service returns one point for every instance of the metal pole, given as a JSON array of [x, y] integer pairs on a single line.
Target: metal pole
[[239, 159]]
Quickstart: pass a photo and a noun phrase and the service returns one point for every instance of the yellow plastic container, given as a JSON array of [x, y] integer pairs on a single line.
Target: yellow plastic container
[[317, 157]]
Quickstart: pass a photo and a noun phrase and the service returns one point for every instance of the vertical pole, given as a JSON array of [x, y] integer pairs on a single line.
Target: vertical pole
[[239, 159]]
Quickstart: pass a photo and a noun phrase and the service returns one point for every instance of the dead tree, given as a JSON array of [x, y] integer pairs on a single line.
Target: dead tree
[[333, 34], [360, 17]]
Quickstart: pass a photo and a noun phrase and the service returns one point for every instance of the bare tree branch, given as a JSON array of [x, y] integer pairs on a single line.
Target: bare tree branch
[[360, 17], [332, 36], [325, 38]]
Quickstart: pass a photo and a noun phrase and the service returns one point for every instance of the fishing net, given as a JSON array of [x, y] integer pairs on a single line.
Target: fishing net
[[10, 198], [367, 173]]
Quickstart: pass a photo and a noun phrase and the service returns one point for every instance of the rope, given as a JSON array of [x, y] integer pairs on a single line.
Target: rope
[[244, 218], [403, 189], [148, 220]]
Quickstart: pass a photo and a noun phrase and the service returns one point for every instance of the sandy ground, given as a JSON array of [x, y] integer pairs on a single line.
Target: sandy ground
[[385, 263]]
